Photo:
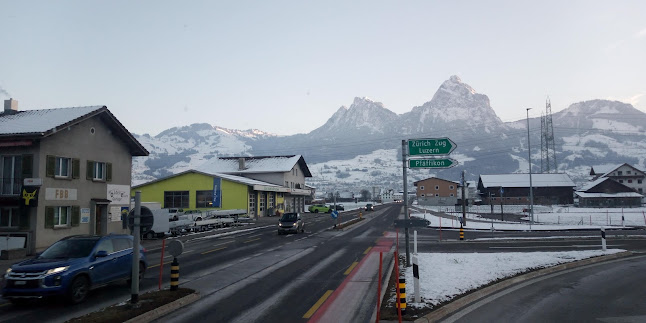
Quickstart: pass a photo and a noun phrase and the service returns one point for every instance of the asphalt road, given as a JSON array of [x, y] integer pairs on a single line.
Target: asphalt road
[[247, 274], [604, 292]]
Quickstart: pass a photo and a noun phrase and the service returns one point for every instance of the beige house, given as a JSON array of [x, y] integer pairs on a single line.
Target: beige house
[[437, 191], [64, 172]]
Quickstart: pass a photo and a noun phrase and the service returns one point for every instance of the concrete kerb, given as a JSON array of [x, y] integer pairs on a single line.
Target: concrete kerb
[[460, 303], [165, 309]]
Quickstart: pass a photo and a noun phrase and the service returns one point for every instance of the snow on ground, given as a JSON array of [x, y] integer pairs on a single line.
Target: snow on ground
[[443, 276]]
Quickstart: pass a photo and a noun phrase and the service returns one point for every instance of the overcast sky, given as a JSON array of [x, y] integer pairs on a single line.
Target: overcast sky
[[286, 66]]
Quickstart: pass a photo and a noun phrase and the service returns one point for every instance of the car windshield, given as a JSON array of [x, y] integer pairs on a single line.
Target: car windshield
[[289, 217], [70, 248]]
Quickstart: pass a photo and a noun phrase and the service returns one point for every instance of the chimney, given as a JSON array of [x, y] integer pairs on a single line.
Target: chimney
[[10, 106], [241, 163]]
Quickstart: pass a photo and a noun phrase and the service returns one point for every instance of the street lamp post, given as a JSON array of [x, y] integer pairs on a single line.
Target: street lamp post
[[531, 191]]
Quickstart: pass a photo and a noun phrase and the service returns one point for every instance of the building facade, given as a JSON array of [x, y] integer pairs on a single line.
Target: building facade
[[65, 172], [436, 191], [547, 189]]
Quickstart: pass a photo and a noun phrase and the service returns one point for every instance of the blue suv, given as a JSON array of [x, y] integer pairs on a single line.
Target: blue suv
[[72, 267]]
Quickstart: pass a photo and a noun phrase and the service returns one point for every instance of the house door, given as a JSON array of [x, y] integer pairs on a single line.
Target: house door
[[97, 220]]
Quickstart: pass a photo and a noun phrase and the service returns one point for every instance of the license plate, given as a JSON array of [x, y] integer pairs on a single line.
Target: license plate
[[20, 282]]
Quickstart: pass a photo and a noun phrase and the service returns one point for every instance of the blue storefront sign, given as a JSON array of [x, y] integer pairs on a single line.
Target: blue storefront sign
[[217, 192]]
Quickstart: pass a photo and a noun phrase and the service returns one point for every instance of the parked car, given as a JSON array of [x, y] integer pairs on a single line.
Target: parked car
[[369, 207], [291, 222], [316, 208], [72, 267], [340, 207]]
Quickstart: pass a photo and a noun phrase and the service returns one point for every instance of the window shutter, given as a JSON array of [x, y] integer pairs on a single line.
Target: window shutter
[[76, 168], [27, 166], [50, 165], [108, 172], [76, 216], [90, 170], [49, 217]]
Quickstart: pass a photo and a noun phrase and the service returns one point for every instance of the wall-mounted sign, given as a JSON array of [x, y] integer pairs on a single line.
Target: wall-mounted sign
[[119, 194], [29, 195], [60, 194], [217, 192], [32, 181], [85, 215]]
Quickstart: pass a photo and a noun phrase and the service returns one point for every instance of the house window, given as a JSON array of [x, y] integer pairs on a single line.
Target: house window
[[99, 171], [176, 199], [422, 195], [9, 217], [451, 194], [621, 181], [639, 181], [421, 188], [270, 200], [437, 195], [630, 181], [204, 199], [286, 184], [640, 190], [63, 166], [628, 172], [437, 187], [62, 216], [11, 175], [619, 173]]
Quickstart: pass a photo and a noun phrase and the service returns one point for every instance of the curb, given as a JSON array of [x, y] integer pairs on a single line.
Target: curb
[[163, 310], [456, 305]]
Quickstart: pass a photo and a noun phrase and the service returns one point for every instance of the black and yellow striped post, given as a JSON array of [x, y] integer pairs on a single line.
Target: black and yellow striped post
[[174, 274], [461, 232], [402, 295]]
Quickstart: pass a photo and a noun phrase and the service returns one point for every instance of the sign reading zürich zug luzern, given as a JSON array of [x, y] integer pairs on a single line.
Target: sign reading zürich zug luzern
[[431, 147]]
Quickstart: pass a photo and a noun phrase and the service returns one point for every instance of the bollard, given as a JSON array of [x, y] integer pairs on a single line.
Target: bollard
[[174, 275], [360, 214], [418, 296], [401, 304], [603, 238], [461, 232]]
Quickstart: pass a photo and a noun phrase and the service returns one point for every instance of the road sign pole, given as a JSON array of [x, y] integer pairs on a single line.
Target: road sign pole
[[404, 144]]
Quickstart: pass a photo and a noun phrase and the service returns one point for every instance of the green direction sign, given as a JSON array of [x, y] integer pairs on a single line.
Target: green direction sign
[[432, 163], [430, 146]]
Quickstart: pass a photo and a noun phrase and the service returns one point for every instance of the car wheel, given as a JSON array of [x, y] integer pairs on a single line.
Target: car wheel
[[198, 219], [79, 290], [150, 235], [316, 211]]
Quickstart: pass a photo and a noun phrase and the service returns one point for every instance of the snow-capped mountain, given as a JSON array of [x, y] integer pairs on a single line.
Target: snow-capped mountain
[[360, 146]]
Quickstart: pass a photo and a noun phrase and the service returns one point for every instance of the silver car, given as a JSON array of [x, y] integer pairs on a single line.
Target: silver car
[[291, 222]]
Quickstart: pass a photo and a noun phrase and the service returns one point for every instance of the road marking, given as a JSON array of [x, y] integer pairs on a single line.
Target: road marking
[[565, 246], [367, 250], [5, 304], [318, 304], [257, 235], [251, 240], [157, 265], [349, 270], [214, 250]]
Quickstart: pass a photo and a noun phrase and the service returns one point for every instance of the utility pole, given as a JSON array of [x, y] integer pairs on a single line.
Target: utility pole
[[491, 204], [464, 207], [337, 217], [404, 147], [502, 214], [531, 191]]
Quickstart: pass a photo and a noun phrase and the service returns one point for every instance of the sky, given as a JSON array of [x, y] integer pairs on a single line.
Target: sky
[[285, 67]]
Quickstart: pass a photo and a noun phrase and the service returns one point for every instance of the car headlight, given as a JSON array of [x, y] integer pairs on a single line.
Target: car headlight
[[57, 270], [7, 273]]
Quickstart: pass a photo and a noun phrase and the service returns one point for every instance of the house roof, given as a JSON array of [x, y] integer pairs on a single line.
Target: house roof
[[603, 169], [232, 178], [441, 179], [612, 169], [607, 195], [255, 165], [592, 184], [522, 180], [37, 124]]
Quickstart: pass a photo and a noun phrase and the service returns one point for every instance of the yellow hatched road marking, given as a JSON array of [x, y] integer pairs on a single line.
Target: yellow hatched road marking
[[213, 250], [367, 250], [318, 304], [349, 270]]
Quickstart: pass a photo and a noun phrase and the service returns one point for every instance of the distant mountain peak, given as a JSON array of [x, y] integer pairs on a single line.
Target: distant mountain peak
[[455, 86]]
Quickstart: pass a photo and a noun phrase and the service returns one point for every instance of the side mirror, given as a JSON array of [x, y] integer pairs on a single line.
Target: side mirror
[[101, 254]]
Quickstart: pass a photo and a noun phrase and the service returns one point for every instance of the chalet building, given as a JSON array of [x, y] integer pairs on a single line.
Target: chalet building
[[436, 191], [625, 174], [548, 189], [286, 172], [606, 192], [63, 172]]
